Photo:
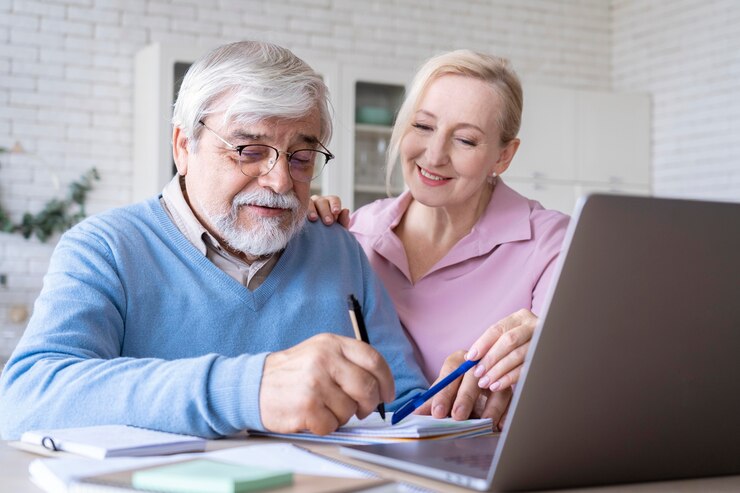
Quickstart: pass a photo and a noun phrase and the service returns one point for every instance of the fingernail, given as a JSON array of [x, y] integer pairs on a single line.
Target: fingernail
[[472, 353], [479, 371], [461, 410], [495, 386], [313, 216], [438, 411], [483, 383], [335, 209], [328, 219]]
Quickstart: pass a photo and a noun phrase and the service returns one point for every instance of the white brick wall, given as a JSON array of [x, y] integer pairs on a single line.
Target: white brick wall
[[687, 55], [66, 80]]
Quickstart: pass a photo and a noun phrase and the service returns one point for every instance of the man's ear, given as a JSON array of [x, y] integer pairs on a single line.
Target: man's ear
[[180, 151], [507, 154]]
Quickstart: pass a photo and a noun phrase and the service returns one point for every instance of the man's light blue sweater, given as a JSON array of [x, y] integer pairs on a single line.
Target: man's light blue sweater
[[135, 326]]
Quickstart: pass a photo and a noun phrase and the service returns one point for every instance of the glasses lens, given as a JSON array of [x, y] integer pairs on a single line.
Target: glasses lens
[[257, 159], [306, 164]]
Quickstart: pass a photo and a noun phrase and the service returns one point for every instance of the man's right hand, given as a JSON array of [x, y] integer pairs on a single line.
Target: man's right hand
[[319, 384], [329, 209]]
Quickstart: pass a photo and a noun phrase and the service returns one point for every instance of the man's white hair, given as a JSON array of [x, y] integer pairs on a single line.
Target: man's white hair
[[250, 81]]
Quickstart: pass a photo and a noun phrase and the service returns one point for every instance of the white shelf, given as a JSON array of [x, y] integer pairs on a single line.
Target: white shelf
[[372, 188], [370, 128]]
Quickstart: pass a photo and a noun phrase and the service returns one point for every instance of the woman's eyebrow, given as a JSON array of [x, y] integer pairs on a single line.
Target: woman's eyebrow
[[423, 112]]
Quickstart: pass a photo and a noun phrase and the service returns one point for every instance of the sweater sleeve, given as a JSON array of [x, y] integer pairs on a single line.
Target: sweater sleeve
[[68, 369], [387, 336]]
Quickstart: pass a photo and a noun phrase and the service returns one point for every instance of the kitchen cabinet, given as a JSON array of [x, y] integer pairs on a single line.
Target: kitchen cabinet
[[158, 72], [577, 141], [369, 100]]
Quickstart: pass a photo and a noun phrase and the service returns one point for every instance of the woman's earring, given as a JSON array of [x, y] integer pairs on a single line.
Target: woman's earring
[[494, 175]]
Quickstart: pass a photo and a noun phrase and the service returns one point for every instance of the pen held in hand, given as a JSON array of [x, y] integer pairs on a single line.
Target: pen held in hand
[[418, 400], [358, 324]]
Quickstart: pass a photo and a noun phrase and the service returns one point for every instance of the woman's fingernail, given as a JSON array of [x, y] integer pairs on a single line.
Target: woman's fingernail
[[328, 219], [460, 411], [479, 371], [484, 382], [313, 216], [495, 386], [472, 353]]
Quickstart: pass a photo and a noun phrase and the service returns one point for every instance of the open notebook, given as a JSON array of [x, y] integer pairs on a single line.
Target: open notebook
[[374, 430]]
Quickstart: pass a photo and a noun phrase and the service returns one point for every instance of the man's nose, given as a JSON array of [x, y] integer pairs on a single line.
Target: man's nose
[[278, 179]]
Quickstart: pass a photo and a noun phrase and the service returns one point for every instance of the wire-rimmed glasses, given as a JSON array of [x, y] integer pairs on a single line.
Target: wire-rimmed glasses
[[257, 160]]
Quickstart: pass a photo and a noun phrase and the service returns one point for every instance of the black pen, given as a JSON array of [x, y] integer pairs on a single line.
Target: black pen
[[358, 324]]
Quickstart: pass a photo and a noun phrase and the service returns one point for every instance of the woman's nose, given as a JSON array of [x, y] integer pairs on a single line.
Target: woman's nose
[[437, 151]]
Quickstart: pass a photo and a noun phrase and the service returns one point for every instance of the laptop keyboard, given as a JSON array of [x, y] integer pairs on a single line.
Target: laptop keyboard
[[481, 461]]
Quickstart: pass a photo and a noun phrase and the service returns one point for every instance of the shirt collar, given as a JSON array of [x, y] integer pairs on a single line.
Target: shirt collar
[[184, 218], [505, 219]]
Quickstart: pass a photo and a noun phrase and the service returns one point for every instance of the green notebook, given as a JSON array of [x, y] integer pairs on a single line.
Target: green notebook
[[202, 475]]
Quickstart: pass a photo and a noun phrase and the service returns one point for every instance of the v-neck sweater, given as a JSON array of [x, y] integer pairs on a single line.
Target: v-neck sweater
[[135, 326]]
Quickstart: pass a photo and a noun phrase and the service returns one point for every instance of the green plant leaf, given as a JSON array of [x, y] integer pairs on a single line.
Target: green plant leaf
[[57, 215]]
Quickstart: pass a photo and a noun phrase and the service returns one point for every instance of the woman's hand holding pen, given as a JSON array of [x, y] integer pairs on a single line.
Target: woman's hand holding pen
[[319, 384], [486, 391]]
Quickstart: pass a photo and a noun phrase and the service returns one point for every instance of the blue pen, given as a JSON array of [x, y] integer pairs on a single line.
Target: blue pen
[[417, 400]]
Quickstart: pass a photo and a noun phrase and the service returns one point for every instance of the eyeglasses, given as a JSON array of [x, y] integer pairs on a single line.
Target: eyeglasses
[[258, 159]]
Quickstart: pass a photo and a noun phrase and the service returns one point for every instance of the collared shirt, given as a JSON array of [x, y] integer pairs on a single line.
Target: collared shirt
[[503, 265], [249, 275]]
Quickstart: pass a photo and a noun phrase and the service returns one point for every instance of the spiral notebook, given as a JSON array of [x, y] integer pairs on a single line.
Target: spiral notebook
[[101, 442]]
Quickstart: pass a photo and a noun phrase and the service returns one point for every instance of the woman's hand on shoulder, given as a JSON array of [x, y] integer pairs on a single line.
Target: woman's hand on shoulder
[[329, 208]]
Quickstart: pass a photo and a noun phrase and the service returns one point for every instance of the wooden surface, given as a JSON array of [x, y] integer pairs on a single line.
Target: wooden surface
[[14, 473]]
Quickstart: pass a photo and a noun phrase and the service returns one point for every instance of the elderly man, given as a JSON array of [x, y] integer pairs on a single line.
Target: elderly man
[[212, 308]]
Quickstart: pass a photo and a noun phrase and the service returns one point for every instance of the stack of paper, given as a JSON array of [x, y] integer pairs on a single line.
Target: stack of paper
[[374, 430]]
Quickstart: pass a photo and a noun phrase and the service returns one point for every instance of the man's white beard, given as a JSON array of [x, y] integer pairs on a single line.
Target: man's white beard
[[267, 235]]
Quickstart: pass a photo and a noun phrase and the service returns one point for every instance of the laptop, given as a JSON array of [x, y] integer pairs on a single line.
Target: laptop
[[634, 372]]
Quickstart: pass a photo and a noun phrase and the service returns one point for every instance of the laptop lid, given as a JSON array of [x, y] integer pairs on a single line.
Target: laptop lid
[[634, 371]]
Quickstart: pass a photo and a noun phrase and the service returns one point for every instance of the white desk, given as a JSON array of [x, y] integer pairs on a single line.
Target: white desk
[[14, 474]]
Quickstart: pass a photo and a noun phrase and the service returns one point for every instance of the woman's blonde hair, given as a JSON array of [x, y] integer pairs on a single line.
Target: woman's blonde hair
[[496, 71]]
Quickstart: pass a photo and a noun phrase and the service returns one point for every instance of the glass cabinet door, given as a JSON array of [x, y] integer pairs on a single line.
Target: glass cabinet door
[[375, 110]]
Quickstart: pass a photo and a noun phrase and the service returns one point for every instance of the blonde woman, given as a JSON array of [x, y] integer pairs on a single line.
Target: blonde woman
[[466, 259]]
